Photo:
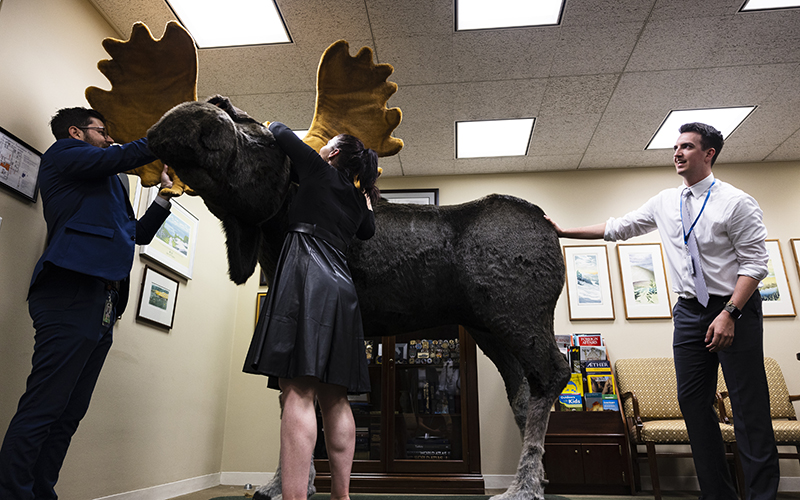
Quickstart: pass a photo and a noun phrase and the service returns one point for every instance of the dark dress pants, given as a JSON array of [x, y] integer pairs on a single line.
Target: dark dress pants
[[70, 347], [743, 366]]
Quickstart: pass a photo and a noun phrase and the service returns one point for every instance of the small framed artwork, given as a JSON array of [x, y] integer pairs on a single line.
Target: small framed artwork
[[412, 196], [588, 282], [261, 299], [644, 281], [19, 166], [157, 299], [776, 296], [795, 243], [175, 243]]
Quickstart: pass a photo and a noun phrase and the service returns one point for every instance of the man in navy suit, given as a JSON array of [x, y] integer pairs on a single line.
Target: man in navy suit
[[78, 290]]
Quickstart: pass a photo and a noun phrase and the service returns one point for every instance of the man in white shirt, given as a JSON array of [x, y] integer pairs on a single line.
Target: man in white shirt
[[713, 235]]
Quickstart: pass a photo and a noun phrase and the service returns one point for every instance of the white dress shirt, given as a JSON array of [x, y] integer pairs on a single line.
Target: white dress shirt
[[730, 234]]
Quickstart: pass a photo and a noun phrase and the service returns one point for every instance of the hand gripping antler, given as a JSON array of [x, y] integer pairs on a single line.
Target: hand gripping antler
[[148, 77], [351, 99]]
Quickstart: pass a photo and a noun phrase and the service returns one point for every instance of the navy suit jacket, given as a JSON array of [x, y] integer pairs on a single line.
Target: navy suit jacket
[[91, 226]]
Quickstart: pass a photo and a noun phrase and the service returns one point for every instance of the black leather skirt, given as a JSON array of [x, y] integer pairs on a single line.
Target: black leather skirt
[[310, 324]]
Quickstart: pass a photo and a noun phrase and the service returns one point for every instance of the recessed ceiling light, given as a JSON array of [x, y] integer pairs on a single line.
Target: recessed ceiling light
[[480, 139], [750, 5], [231, 23], [487, 14], [723, 119]]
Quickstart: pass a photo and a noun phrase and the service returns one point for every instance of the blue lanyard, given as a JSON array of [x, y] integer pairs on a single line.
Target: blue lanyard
[[685, 234]]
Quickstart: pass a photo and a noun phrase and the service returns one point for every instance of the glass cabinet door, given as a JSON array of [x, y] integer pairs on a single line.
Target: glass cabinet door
[[427, 392], [420, 417]]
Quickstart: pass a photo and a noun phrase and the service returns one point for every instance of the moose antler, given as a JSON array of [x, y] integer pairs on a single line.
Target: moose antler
[[351, 99], [148, 78]]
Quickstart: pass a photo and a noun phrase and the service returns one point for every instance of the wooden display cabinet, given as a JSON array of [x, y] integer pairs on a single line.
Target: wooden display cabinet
[[417, 431], [587, 452]]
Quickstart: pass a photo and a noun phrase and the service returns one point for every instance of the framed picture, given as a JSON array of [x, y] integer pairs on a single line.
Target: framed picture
[[644, 281], [19, 166], [262, 278], [157, 299], [776, 296], [588, 282], [795, 242], [261, 299], [412, 196], [175, 242]]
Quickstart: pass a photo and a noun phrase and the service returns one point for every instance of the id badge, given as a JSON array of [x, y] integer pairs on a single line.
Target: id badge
[[689, 261], [108, 310]]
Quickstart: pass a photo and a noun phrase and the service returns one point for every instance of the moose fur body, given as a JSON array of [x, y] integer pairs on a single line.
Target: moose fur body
[[493, 265]]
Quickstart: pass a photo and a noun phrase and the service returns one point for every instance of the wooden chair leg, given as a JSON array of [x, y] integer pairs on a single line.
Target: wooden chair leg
[[651, 458], [635, 458]]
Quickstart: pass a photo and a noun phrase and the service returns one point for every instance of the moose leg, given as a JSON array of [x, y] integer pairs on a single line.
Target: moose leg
[[507, 364], [529, 481], [272, 490]]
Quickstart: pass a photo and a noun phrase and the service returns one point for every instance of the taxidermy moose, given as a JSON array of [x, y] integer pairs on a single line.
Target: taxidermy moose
[[493, 265]]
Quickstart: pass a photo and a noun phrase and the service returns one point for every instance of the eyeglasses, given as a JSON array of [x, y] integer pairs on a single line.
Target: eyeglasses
[[101, 130]]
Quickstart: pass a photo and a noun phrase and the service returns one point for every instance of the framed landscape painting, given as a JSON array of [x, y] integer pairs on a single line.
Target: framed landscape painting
[[157, 299], [776, 296], [175, 243], [588, 282], [644, 281]]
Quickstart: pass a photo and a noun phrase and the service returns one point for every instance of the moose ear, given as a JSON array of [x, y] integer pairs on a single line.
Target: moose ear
[[243, 242]]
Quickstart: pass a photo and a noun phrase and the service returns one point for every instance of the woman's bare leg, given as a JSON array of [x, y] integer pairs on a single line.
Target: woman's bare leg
[[298, 434], [340, 436]]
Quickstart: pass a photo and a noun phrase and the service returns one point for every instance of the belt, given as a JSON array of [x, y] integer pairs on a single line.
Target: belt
[[318, 232]]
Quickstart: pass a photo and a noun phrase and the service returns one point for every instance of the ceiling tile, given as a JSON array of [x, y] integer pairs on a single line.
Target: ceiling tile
[[557, 134], [418, 60], [606, 12], [603, 49], [392, 19], [578, 94], [508, 54], [731, 40]]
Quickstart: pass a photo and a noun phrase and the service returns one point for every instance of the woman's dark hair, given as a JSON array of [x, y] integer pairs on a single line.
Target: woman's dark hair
[[67, 117], [358, 163]]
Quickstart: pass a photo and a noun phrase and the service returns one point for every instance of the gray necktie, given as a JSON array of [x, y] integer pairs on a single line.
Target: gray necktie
[[696, 269]]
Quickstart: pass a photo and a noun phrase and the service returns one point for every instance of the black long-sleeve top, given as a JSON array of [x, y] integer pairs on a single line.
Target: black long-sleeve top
[[326, 197]]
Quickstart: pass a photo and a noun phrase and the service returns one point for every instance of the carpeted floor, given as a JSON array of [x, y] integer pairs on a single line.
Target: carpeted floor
[[227, 492]]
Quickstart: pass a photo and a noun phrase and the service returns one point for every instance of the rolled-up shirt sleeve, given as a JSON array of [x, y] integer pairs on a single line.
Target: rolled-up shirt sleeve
[[748, 235], [636, 223]]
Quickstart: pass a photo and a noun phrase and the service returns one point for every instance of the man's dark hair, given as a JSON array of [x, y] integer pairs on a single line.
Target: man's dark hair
[[67, 117], [709, 137]]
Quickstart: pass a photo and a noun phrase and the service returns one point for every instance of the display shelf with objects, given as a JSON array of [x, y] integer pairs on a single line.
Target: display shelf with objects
[[586, 445], [417, 430]]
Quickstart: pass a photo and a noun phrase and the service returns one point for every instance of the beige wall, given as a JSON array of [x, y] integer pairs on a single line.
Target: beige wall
[[174, 406], [158, 412]]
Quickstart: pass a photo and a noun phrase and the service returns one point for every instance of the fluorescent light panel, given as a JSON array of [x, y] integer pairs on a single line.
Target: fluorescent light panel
[[482, 139], [723, 119], [231, 23], [750, 5], [488, 14]]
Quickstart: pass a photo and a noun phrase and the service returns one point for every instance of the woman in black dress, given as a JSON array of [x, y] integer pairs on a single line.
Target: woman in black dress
[[309, 339]]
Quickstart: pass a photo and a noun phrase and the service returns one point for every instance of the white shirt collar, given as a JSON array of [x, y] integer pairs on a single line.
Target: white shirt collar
[[699, 188]]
